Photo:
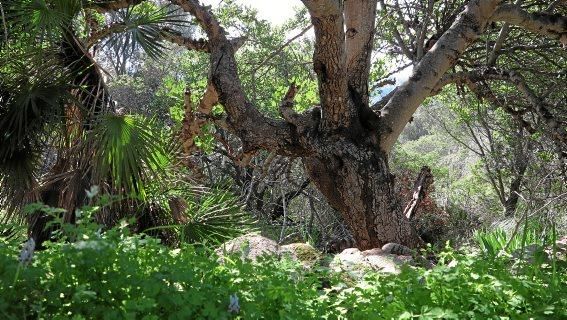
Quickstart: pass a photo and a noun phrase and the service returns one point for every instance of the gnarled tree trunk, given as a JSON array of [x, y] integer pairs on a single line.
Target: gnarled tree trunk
[[344, 143], [356, 180]]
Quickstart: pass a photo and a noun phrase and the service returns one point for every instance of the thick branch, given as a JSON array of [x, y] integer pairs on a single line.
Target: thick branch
[[193, 121], [329, 63], [105, 32], [201, 45], [549, 25], [444, 54], [180, 40], [254, 129], [286, 106], [359, 20], [498, 45], [499, 41]]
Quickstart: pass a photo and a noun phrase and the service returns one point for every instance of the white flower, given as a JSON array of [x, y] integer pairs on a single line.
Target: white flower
[[452, 264], [233, 306], [27, 251], [92, 192]]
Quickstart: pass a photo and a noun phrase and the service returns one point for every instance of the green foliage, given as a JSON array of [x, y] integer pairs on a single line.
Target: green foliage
[[114, 275], [140, 26], [131, 150], [495, 241], [213, 216]]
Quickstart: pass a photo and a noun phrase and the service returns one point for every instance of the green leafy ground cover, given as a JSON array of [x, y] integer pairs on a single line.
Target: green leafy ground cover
[[115, 275]]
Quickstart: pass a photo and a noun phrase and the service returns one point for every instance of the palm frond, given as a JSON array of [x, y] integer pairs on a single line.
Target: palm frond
[[140, 26], [128, 150], [33, 92], [41, 19], [214, 216], [18, 178]]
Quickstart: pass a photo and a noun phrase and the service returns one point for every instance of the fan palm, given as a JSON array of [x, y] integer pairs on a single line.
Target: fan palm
[[59, 133]]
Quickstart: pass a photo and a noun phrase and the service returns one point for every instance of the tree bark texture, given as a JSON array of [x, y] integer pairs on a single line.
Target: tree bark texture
[[356, 180]]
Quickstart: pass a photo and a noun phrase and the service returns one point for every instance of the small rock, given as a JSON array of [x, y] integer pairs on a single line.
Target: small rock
[[357, 263], [396, 248]]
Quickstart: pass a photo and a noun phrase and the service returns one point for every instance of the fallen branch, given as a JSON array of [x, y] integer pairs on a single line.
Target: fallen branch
[[420, 189]]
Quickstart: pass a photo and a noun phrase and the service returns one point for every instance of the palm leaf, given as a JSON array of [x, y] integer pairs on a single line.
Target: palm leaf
[[215, 215], [18, 177], [33, 92], [128, 150], [41, 19], [140, 27]]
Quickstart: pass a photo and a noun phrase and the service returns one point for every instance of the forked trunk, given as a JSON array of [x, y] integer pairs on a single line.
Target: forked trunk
[[356, 180]]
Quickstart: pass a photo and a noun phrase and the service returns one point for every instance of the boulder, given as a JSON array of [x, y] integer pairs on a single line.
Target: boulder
[[356, 263], [250, 246], [302, 252]]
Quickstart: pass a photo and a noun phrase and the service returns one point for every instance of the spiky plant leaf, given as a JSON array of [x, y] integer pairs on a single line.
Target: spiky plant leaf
[[140, 26], [18, 177], [214, 216], [128, 150], [33, 92], [41, 19]]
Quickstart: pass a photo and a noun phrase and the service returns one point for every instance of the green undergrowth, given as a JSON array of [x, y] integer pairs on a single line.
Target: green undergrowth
[[116, 275]]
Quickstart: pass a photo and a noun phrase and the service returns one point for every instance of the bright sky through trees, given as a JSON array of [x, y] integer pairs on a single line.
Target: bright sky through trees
[[275, 11]]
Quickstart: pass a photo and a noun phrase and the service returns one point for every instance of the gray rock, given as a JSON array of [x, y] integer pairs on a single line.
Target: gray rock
[[250, 246], [357, 263], [396, 248]]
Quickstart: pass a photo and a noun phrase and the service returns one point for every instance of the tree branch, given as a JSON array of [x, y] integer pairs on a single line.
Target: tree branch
[[419, 192], [498, 44], [444, 54], [278, 50], [553, 125], [549, 25], [111, 5], [359, 20], [329, 60], [423, 30], [177, 38], [286, 106], [105, 32], [255, 130]]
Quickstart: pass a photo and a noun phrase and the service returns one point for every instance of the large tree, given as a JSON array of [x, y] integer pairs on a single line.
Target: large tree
[[344, 144]]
